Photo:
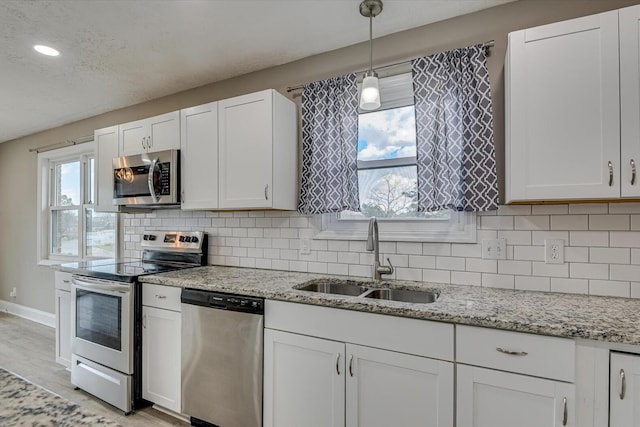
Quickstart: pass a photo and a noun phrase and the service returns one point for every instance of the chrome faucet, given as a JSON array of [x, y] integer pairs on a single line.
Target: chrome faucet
[[372, 245]]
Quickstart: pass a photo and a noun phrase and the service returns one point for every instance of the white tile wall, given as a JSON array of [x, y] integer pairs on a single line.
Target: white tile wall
[[602, 247]]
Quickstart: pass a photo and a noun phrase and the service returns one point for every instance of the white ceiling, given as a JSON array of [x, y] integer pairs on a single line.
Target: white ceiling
[[116, 53]]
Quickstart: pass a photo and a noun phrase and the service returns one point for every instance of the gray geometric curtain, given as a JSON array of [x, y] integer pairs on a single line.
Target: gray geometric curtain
[[454, 131], [329, 146]]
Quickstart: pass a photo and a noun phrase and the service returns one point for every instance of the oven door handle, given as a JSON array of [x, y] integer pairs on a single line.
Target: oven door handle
[[111, 288], [152, 189]]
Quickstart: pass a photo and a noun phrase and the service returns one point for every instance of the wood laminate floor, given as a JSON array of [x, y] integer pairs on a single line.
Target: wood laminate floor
[[28, 349]]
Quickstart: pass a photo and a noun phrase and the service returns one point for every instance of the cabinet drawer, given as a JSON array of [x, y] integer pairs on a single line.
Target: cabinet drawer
[[63, 280], [536, 355], [167, 297]]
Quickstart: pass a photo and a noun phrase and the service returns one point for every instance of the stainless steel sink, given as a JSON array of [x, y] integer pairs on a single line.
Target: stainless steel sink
[[339, 287], [403, 295]]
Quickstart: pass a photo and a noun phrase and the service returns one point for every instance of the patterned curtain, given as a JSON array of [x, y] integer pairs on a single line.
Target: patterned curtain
[[454, 131], [329, 146]]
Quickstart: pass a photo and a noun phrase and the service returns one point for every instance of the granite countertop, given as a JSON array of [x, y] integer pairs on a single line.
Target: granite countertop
[[607, 319], [24, 404]]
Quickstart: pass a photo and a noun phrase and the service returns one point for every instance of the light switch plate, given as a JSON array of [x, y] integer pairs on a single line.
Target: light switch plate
[[305, 246], [494, 248]]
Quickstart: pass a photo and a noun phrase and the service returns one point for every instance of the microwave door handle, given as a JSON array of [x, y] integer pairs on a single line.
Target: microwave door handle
[[152, 189], [89, 285]]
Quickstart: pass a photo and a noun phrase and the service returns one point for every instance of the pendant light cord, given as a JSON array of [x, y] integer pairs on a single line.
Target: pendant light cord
[[370, 40]]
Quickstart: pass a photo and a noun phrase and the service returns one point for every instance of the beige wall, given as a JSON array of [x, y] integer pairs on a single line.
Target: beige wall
[[18, 167]]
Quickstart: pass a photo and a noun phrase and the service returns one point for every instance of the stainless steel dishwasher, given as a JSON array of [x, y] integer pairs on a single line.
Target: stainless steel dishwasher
[[222, 338]]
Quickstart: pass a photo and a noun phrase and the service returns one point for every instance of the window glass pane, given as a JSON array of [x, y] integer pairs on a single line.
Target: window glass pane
[[64, 232], [101, 234], [92, 181], [387, 134], [390, 193], [67, 184]]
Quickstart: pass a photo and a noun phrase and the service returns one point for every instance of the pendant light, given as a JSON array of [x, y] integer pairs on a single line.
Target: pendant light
[[370, 94]]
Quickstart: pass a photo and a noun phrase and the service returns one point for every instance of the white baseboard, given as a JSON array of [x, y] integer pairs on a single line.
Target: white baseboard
[[42, 317]]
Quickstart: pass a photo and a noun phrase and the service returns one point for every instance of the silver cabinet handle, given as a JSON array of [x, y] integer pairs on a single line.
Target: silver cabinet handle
[[351, 364], [565, 412], [143, 146], [338, 363], [623, 384], [512, 353], [633, 172], [149, 142], [610, 174], [66, 281], [161, 296], [144, 321], [266, 192]]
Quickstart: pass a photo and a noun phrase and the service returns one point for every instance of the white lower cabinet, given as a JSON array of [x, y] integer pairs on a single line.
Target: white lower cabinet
[[490, 398], [624, 390], [303, 381], [161, 329], [386, 388], [63, 318], [320, 373]]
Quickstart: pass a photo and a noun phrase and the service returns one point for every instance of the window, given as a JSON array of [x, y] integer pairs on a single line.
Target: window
[[387, 177], [69, 226]]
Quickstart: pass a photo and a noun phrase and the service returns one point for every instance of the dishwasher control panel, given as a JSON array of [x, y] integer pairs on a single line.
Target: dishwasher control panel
[[223, 301]]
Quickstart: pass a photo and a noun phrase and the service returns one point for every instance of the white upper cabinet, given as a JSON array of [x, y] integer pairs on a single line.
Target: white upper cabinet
[[199, 156], [106, 149], [257, 152], [630, 100], [563, 110], [152, 134]]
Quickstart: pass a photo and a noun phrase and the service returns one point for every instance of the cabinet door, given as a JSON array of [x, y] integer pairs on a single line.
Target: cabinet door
[[386, 388], [488, 398], [246, 151], [133, 138], [630, 100], [199, 156], [164, 131], [63, 328], [303, 381], [624, 409], [161, 357], [562, 111], [106, 149]]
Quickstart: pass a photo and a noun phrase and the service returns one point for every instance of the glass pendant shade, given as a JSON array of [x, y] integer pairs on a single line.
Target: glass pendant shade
[[370, 94]]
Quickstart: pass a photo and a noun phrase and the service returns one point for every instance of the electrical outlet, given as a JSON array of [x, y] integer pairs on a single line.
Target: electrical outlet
[[554, 251], [494, 248], [13, 293], [305, 246]]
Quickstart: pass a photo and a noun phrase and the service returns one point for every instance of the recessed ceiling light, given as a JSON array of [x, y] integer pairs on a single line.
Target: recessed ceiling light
[[46, 50]]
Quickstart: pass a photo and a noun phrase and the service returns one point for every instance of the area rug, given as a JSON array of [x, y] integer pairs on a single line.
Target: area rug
[[25, 404]]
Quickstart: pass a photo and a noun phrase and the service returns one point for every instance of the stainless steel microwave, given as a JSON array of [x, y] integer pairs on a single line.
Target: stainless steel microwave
[[148, 179]]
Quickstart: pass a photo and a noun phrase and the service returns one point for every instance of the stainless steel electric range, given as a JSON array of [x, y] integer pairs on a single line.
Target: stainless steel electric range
[[106, 314]]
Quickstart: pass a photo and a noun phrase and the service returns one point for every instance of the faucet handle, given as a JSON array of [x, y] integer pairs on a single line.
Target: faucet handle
[[390, 266]]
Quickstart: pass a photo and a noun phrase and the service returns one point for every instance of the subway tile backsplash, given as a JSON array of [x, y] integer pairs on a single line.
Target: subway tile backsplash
[[602, 247]]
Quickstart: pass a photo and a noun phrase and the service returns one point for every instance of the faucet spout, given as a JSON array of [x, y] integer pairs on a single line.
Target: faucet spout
[[373, 246]]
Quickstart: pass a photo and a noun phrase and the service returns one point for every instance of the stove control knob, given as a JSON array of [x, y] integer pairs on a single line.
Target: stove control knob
[[152, 237], [194, 239], [187, 239], [145, 237], [181, 238]]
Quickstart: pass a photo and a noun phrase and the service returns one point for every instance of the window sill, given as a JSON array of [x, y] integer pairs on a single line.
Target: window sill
[[461, 229], [51, 262]]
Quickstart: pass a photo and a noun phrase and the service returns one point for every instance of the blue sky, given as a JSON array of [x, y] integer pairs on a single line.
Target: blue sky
[[70, 181], [387, 134]]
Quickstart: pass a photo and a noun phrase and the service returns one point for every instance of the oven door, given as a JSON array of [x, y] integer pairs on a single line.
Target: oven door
[[102, 322], [146, 179]]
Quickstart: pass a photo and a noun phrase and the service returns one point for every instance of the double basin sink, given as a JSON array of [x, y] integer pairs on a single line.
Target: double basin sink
[[364, 290]]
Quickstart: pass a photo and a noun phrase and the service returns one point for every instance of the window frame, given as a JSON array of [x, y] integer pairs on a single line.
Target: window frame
[[396, 91], [46, 170]]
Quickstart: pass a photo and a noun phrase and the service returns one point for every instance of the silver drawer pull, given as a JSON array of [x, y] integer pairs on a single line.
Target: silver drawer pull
[[338, 363], [610, 174], [565, 412], [633, 172], [623, 384], [161, 296], [512, 353], [351, 364]]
